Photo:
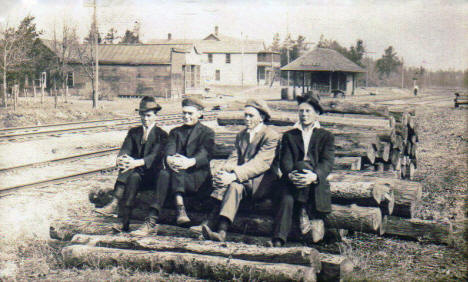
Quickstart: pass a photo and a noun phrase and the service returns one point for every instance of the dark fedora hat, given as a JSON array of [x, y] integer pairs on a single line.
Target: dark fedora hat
[[148, 103], [312, 99], [261, 106]]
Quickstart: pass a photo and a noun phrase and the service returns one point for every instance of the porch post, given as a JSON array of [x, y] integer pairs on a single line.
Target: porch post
[[329, 82], [303, 82]]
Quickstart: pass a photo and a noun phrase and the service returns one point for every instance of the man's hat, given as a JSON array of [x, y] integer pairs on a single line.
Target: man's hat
[[312, 99], [261, 106], [194, 102], [148, 103]]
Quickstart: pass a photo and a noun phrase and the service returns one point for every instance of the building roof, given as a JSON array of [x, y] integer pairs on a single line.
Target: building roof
[[218, 43], [131, 54], [142, 54], [322, 59]]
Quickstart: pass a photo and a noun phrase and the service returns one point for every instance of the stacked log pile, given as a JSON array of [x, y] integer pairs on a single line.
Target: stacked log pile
[[373, 144], [461, 99], [177, 250]]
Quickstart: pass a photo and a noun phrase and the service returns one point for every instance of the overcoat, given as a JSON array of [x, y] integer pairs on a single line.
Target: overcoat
[[321, 154], [252, 161], [152, 151], [199, 145]]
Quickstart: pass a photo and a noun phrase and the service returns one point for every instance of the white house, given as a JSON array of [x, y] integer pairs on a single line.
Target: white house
[[232, 61]]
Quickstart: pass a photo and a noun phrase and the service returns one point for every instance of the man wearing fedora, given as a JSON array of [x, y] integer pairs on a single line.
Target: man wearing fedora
[[248, 171], [187, 162], [139, 162], [306, 159]]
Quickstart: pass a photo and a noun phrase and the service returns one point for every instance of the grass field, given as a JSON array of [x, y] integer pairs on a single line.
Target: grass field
[[26, 253]]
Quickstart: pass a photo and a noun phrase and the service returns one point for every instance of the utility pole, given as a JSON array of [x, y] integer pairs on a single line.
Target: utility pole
[[242, 59], [96, 74], [367, 66]]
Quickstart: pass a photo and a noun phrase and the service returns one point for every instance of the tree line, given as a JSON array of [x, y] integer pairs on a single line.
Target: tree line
[[388, 70], [24, 56]]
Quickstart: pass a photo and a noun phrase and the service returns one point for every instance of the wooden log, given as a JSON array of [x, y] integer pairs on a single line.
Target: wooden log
[[292, 255], [335, 106], [361, 193], [407, 194], [334, 267], [420, 230], [383, 151], [348, 163], [199, 266], [353, 217], [65, 229]]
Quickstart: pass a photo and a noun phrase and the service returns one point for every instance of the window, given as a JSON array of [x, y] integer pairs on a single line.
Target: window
[[228, 58], [210, 58], [218, 75]]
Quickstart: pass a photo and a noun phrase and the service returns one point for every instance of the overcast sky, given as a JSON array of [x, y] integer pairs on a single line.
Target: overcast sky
[[428, 33]]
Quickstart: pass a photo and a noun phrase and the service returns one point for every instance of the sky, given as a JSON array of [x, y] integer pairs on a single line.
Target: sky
[[428, 33]]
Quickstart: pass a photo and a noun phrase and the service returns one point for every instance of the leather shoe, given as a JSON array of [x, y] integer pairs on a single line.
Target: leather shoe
[[304, 222], [182, 217], [149, 227], [214, 236], [198, 229], [110, 209], [276, 243]]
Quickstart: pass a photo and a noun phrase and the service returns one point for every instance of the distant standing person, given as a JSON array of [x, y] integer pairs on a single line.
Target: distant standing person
[[139, 162], [415, 90], [306, 158]]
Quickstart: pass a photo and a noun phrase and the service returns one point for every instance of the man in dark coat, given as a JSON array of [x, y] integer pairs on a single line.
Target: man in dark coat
[[139, 162], [187, 163], [306, 159], [248, 171]]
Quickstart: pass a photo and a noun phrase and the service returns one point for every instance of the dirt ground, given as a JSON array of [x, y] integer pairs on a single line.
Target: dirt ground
[[26, 252]]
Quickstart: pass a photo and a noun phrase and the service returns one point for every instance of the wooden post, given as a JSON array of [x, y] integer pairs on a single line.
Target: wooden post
[[330, 82], [303, 82], [294, 84], [34, 88]]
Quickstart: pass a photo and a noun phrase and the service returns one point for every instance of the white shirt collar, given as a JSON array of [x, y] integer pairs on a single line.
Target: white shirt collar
[[252, 132], [298, 125], [146, 131]]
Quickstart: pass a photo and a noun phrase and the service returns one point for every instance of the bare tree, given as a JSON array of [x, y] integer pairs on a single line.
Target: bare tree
[[86, 53], [14, 51], [65, 50]]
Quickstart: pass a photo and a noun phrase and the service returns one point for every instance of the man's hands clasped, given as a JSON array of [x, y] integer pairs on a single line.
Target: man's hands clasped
[[126, 163], [179, 162], [302, 179]]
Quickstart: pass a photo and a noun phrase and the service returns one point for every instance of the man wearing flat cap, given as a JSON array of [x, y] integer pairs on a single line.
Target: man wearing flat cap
[[139, 162], [306, 158], [187, 162], [247, 172]]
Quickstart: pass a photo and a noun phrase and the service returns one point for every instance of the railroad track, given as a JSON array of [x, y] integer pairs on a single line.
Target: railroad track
[[32, 132], [24, 133], [79, 172]]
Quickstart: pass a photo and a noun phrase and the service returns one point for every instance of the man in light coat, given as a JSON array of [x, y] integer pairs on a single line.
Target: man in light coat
[[247, 172]]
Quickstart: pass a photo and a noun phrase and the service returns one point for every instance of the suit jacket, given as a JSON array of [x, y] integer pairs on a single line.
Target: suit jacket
[[321, 153], [199, 145], [151, 152], [254, 160]]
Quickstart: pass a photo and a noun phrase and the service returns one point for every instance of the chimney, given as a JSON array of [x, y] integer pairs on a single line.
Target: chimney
[[216, 30], [169, 36]]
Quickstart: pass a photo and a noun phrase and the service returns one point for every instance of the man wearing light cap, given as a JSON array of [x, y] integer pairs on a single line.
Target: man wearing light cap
[[247, 172], [139, 162], [188, 154]]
